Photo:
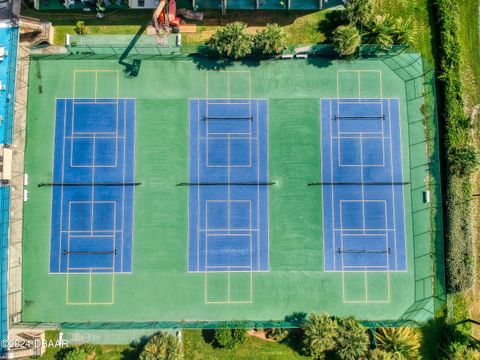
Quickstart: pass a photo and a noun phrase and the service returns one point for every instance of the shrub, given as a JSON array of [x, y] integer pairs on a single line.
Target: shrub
[[463, 160], [457, 344], [460, 266], [239, 335], [80, 28], [231, 41], [161, 346], [320, 333], [346, 40], [401, 343], [353, 341], [223, 338], [358, 11], [229, 338], [88, 348], [277, 334], [271, 40], [75, 354], [459, 235]]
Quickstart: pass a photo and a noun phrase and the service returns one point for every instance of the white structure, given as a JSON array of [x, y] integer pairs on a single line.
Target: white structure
[[142, 4]]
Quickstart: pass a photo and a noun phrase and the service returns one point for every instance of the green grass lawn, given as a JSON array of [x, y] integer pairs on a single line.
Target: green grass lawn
[[422, 13], [115, 22], [470, 45], [196, 348], [301, 27], [102, 352], [469, 37]]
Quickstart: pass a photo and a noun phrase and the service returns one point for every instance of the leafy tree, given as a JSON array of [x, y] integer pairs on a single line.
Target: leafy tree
[[320, 332], [404, 31], [358, 11], [401, 343], [464, 160], [380, 31], [161, 346], [346, 40], [353, 341], [271, 40], [231, 41]]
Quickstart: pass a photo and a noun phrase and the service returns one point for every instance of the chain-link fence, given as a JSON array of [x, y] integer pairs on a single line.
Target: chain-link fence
[[423, 172]]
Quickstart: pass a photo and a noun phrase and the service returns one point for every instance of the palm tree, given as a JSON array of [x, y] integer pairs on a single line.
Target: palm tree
[[380, 31], [377, 354], [404, 31], [346, 40], [353, 341], [320, 332], [358, 11], [232, 41], [271, 40], [401, 343]]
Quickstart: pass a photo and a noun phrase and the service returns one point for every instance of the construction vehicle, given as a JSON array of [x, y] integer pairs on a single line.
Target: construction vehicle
[[165, 18]]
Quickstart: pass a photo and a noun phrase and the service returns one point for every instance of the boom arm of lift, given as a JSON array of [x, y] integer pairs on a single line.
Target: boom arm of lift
[[157, 12]]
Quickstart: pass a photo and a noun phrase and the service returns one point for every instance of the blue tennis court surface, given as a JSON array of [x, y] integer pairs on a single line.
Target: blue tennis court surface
[[92, 204], [363, 204], [228, 210]]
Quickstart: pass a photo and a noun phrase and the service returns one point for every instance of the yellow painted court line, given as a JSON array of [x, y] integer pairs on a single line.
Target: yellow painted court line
[[251, 286], [228, 286], [96, 86], [381, 84], [359, 86], [228, 85], [97, 71], [66, 295], [90, 288], [359, 72], [366, 286], [366, 301]]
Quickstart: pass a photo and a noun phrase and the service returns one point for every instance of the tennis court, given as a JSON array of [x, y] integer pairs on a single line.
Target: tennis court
[[224, 193], [92, 196], [228, 194], [363, 203]]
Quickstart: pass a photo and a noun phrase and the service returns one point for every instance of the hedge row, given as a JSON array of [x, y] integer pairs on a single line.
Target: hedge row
[[460, 154], [459, 234]]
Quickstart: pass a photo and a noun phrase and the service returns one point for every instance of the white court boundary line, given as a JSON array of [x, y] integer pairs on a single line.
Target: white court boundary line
[[229, 137], [64, 102], [59, 272], [333, 217]]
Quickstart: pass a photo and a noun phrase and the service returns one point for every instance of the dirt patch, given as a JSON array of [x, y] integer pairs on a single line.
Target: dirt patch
[[262, 335]]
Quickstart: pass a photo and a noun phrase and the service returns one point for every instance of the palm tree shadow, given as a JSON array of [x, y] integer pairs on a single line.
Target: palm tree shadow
[[333, 19], [134, 349], [205, 62], [294, 340]]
